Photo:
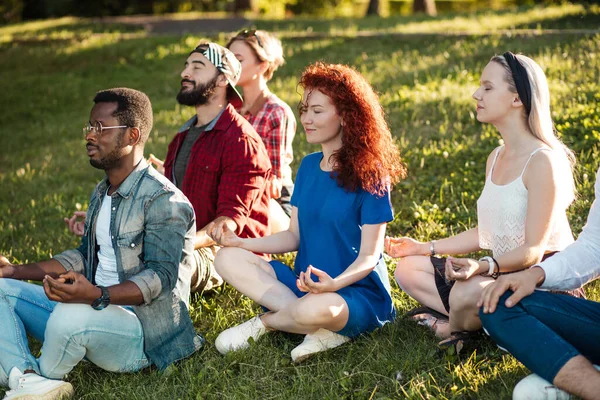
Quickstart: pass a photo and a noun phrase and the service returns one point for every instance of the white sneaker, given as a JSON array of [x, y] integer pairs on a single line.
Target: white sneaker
[[34, 387], [236, 338], [321, 340], [534, 387]]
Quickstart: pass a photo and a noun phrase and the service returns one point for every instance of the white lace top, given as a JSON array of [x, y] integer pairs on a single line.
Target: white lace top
[[501, 212]]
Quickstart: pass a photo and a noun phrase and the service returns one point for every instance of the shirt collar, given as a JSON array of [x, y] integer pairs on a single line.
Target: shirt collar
[[259, 102], [127, 186], [192, 122]]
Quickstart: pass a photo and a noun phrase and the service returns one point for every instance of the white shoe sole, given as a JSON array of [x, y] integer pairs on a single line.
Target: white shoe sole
[[61, 392], [330, 340]]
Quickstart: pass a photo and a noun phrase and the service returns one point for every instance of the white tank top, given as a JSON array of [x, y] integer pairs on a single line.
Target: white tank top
[[501, 212]]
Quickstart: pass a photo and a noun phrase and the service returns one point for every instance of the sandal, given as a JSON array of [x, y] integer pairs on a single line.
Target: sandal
[[416, 312], [457, 339], [427, 317]]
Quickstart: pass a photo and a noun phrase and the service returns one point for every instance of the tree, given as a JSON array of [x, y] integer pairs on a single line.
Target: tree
[[373, 8], [425, 6], [240, 6]]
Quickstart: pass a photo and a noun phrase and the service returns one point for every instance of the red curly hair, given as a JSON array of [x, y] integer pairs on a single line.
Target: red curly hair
[[368, 158]]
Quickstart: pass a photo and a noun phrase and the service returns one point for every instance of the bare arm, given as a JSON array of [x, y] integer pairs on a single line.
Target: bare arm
[[543, 204], [32, 272], [465, 242], [203, 239], [281, 242]]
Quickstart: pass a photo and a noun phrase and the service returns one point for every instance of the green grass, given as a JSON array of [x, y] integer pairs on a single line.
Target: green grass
[[48, 81]]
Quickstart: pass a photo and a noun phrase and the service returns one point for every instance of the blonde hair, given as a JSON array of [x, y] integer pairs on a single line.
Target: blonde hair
[[539, 120], [265, 46]]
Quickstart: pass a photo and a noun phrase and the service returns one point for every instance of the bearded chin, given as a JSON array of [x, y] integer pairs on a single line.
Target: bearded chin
[[191, 97], [199, 95]]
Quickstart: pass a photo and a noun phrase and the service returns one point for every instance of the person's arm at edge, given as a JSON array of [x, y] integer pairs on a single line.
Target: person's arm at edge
[[578, 263]]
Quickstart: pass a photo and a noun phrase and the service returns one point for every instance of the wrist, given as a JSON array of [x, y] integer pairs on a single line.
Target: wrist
[[95, 294], [426, 249], [336, 285], [484, 267], [487, 266], [538, 274], [8, 271]]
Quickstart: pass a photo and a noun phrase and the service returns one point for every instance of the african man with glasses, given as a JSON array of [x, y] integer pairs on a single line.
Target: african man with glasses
[[120, 299]]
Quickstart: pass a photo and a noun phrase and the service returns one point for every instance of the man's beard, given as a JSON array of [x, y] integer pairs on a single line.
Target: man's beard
[[199, 95], [112, 159]]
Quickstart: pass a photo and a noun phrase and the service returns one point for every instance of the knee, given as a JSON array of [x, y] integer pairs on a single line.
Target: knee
[[464, 295], [66, 321], [226, 259], [403, 273], [318, 313], [493, 323]]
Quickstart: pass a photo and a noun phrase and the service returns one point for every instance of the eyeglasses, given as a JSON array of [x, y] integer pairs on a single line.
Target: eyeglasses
[[98, 128], [249, 33]]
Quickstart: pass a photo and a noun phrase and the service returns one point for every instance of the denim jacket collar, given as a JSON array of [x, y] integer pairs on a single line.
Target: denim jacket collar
[[128, 185]]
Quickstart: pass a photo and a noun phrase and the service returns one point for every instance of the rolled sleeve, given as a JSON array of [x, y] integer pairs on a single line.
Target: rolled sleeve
[[246, 170], [149, 283], [72, 260], [168, 217]]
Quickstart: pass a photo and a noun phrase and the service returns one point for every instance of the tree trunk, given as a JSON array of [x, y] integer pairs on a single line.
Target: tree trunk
[[240, 6], [425, 6], [373, 8]]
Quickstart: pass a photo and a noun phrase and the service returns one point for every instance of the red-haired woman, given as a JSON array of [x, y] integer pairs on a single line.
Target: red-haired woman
[[339, 285]]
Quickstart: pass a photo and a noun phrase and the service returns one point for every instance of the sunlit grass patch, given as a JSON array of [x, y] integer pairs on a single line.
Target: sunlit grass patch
[[425, 85]]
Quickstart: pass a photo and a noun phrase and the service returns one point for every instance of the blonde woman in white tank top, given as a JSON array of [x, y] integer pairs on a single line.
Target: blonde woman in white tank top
[[521, 211]]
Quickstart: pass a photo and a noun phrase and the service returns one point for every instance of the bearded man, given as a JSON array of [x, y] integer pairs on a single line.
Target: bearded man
[[217, 159]]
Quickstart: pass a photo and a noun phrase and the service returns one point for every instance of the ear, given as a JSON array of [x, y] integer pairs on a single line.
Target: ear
[[262, 67], [517, 102], [134, 136], [222, 81]]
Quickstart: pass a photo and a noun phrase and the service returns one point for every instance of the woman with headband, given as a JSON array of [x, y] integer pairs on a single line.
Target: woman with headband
[[521, 212], [260, 54]]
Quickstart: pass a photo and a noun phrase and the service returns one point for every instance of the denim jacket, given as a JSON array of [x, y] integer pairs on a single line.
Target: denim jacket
[[152, 227]]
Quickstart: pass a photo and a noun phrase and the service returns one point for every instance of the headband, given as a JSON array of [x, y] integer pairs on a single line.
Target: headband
[[519, 74]]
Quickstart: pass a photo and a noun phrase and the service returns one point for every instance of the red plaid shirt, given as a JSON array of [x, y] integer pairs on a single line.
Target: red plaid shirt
[[275, 123], [226, 175]]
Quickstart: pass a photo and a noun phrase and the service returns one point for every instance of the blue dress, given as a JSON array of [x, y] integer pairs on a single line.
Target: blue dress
[[330, 222]]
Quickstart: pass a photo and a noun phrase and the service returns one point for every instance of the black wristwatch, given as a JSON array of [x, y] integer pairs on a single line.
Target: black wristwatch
[[103, 301]]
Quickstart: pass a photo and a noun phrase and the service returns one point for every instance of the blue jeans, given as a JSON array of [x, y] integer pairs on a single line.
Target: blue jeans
[[112, 338], [545, 330]]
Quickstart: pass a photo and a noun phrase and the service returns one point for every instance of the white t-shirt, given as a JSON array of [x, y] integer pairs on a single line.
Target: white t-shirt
[[106, 273]]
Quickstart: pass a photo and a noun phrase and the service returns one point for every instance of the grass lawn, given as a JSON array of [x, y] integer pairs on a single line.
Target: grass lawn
[[51, 70]]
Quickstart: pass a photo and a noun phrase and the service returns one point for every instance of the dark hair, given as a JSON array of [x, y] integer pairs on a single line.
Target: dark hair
[[369, 158], [133, 108]]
